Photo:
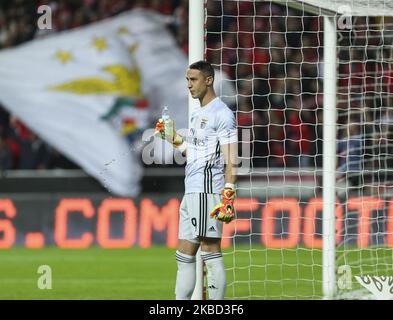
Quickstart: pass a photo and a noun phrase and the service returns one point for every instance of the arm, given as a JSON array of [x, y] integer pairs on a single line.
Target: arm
[[225, 210], [230, 156], [227, 135]]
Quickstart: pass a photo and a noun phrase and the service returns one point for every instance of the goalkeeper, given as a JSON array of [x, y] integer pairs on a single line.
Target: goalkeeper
[[211, 149]]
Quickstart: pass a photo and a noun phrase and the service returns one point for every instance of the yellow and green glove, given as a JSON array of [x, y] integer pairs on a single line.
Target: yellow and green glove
[[225, 210], [168, 132]]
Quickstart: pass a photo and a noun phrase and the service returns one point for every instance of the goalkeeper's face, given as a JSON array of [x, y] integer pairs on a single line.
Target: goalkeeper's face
[[197, 83]]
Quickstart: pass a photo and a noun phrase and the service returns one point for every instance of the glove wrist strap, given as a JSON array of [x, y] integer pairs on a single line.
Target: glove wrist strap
[[229, 185], [182, 147]]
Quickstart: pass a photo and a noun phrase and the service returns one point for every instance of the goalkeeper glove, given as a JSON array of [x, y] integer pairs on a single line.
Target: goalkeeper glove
[[167, 132], [225, 210]]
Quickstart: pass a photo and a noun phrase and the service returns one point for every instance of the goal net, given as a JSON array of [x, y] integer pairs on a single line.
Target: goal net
[[274, 55]]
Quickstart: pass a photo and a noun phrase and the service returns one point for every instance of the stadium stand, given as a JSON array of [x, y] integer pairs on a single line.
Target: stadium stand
[[278, 94]]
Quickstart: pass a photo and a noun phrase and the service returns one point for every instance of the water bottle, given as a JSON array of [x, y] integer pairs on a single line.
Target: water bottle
[[165, 114], [165, 117]]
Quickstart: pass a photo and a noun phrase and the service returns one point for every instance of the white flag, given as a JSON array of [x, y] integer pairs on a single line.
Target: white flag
[[91, 91]]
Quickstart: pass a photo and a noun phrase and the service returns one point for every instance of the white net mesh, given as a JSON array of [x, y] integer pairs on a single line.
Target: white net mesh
[[365, 145], [273, 54]]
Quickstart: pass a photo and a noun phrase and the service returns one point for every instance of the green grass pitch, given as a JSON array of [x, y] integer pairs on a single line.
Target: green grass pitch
[[136, 274]]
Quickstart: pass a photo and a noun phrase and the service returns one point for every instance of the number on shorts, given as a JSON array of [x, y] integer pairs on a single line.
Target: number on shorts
[[194, 222]]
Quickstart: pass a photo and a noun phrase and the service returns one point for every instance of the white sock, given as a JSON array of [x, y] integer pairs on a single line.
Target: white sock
[[216, 277], [186, 276]]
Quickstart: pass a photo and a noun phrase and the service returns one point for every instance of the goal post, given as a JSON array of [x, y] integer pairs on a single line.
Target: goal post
[[196, 52], [296, 230], [329, 156]]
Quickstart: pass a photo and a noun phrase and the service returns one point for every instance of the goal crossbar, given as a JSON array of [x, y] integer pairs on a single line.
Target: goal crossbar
[[342, 7]]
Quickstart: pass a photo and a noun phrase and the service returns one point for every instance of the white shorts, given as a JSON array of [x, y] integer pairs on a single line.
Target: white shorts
[[195, 220]]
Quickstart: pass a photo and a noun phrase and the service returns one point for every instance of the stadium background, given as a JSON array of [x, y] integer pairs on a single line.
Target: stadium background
[[47, 202]]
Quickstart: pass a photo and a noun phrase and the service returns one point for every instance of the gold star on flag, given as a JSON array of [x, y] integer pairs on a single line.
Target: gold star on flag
[[123, 30], [100, 44], [63, 56]]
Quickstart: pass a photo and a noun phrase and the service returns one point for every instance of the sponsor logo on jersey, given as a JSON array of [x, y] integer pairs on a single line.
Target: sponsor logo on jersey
[[197, 142], [203, 123]]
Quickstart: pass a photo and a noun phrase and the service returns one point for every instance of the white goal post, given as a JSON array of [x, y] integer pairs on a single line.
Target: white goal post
[[333, 12], [196, 52]]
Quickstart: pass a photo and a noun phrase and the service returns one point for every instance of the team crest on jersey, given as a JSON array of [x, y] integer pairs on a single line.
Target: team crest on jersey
[[203, 123]]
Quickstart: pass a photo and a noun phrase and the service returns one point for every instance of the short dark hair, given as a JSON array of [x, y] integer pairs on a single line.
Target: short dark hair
[[204, 67]]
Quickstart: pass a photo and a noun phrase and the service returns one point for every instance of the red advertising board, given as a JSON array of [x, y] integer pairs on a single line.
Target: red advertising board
[[81, 222]]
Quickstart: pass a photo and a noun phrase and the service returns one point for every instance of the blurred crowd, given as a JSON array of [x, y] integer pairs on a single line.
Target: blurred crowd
[[275, 61], [273, 57]]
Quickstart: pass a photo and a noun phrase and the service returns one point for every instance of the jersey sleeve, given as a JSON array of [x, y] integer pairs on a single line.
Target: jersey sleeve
[[226, 128]]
